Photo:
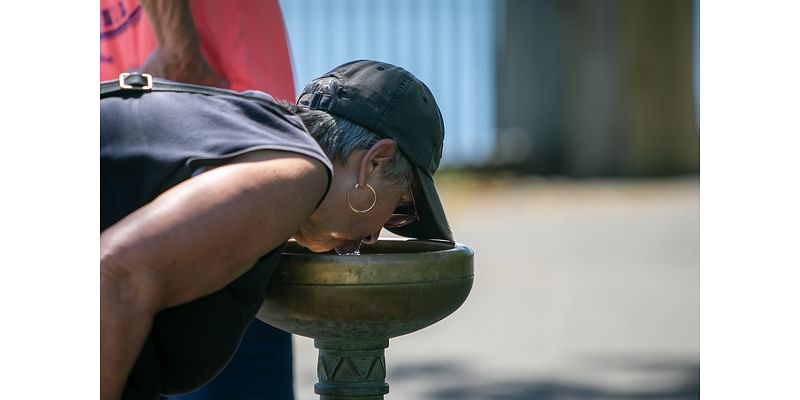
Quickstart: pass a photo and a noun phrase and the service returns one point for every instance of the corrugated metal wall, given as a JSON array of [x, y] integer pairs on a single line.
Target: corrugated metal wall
[[696, 38], [448, 44]]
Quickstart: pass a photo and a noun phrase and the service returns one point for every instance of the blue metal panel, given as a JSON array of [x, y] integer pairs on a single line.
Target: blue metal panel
[[696, 16], [449, 44]]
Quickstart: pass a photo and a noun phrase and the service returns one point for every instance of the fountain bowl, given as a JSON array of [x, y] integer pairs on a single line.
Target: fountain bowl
[[393, 288]]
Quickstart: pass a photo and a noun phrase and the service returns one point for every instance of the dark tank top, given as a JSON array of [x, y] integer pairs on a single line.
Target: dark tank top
[[151, 141]]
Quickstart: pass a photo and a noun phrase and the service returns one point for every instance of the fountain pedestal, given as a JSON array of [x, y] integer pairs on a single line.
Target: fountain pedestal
[[352, 305], [351, 370]]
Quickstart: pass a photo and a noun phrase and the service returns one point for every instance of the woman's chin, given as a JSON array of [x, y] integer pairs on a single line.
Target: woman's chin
[[315, 247], [318, 249]]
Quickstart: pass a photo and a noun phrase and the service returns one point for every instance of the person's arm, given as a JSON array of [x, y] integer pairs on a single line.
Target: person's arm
[[177, 55], [193, 240]]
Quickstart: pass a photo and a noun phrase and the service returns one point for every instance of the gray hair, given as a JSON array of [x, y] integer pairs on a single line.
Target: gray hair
[[340, 137]]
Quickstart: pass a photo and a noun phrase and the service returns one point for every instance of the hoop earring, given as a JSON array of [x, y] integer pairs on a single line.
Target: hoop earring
[[374, 199]]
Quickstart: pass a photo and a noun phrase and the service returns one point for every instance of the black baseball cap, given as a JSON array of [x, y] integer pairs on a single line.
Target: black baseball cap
[[393, 103]]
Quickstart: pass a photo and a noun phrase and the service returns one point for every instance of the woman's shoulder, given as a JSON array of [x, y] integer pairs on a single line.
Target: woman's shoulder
[[296, 177]]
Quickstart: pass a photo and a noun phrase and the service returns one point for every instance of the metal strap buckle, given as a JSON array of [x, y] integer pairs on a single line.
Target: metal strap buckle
[[147, 86]]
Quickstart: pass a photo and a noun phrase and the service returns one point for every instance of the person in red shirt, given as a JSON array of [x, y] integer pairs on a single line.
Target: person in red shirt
[[234, 44]]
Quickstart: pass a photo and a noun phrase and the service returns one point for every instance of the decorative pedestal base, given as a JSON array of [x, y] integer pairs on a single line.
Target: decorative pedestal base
[[351, 369]]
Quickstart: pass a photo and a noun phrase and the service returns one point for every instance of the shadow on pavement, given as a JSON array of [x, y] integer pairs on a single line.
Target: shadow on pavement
[[665, 380], [426, 371]]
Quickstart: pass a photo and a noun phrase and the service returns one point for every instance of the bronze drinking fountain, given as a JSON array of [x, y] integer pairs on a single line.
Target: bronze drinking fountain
[[352, 305]]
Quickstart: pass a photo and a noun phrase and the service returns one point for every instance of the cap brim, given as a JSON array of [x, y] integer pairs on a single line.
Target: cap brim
[[432, 223]]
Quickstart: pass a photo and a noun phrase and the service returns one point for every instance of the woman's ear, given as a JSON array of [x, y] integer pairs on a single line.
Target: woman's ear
[[378, 156]]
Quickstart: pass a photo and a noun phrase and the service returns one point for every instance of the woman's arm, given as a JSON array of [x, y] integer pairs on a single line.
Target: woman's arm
[[193, 240]]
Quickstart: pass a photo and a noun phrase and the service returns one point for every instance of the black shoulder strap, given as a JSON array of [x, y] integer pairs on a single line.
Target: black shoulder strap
[[137, 82]]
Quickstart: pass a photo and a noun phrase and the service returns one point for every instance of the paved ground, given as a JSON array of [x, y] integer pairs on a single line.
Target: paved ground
[[583, 290]]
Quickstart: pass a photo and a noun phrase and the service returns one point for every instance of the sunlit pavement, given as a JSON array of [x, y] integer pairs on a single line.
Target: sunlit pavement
[[583, 290]]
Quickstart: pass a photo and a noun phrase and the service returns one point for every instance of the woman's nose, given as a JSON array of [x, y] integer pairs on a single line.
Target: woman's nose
[[371, 239]]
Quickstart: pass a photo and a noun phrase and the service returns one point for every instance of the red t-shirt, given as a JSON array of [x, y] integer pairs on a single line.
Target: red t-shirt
[[244, 41]]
